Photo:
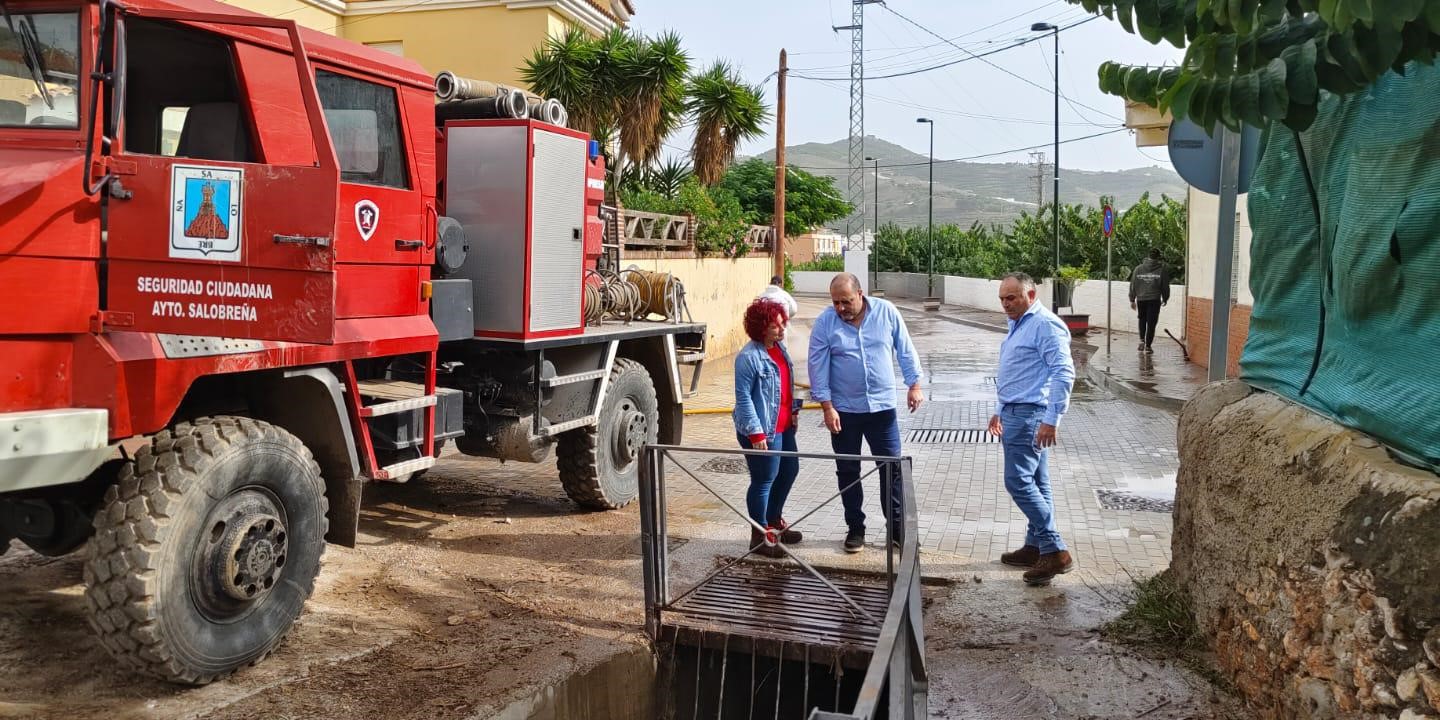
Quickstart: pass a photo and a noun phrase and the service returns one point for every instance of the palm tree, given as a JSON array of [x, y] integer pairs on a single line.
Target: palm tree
[[619, 83], [652, 94], [726, 111]]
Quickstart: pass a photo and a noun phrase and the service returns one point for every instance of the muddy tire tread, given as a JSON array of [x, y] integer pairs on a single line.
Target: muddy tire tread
[[577, 455], [125, 557]]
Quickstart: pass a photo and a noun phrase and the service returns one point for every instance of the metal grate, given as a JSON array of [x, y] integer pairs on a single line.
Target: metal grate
[[1118, 500], [725, 465], [941, 436]]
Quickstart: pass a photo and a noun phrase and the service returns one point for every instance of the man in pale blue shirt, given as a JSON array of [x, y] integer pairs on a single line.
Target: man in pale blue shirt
[[854, 346], [1033, 389]]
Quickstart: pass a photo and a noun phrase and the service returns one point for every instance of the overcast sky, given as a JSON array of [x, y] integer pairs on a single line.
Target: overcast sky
[[980, 106]]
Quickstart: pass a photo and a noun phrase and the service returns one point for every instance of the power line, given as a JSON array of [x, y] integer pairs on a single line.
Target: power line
[[969, 56], [997, 67], [975, 157], [1063, 96]]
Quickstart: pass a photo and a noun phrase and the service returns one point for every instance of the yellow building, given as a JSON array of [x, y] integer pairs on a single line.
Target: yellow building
[[480, 39]]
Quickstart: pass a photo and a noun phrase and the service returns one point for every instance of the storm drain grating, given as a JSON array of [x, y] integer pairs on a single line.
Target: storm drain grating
[[1119, 500], [941, 436], [725, 465]]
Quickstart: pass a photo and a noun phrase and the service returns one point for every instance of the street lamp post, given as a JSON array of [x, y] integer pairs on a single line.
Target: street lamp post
[[1055, 198], [875, 238], [930, 296]]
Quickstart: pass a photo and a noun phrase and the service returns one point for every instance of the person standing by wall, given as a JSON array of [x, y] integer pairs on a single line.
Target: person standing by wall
[[1149, 289], [776, 291], [854, 346], [1033, 391], [765, 419]]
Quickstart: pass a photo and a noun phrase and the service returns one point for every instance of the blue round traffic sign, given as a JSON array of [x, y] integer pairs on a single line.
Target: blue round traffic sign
[[1109, 215]]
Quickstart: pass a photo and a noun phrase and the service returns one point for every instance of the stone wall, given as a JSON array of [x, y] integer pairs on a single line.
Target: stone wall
[[1313, 560]]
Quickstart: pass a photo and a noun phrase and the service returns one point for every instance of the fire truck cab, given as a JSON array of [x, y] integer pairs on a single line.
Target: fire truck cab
[[246, 270]]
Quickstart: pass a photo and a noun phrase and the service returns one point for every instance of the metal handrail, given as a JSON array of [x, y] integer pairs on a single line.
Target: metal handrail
[[898, 662]]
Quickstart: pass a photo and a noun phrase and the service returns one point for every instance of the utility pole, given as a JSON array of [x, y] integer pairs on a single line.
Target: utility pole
[[1055, 199], [856, 194], [779, 249]]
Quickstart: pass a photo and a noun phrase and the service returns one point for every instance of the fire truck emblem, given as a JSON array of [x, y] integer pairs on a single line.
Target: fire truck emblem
[[367, 218], [205, 212]]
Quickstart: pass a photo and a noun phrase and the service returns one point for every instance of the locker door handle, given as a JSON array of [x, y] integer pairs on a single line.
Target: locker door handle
[[575, 234], [317, 241]]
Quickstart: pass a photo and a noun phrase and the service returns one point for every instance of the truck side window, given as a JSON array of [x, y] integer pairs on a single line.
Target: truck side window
[[197, 113], [364, 121]]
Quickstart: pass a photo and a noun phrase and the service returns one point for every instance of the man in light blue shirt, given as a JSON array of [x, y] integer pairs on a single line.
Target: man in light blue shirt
[[853, 350], [1033, 389]]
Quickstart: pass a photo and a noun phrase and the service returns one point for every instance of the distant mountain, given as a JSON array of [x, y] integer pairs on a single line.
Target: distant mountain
[[966, 192]]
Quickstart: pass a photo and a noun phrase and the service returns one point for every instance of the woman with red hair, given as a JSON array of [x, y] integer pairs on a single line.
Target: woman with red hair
[[765, 414]]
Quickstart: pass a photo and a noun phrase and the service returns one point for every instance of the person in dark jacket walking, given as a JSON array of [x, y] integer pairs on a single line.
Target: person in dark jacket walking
[[1149, 289]]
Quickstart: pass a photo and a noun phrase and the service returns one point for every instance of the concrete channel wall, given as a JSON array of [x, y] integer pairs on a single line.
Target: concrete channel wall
[[983, 294], [1311, 558]]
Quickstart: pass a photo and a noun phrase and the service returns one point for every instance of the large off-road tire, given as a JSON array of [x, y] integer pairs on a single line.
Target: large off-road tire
[[600, 466], [206, 549]]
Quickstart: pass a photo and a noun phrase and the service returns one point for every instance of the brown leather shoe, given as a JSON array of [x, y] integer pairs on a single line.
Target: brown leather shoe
[[1048, 566], [760, 546], [787, 536], [1024, 557]]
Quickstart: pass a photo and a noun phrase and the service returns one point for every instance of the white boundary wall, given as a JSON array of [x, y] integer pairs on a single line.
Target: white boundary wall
[[984, 295]]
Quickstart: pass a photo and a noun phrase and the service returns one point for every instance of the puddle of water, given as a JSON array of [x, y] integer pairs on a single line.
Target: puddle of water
[[1158, 488]]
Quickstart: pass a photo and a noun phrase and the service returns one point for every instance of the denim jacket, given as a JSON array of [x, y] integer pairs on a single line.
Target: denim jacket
[[757, 391]]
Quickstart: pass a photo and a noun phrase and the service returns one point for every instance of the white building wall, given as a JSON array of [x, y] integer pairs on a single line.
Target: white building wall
[[1203, 232]]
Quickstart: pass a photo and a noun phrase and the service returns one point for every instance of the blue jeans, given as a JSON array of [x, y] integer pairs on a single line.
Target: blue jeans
[[770, 480], [1027, 475], [881, 432]]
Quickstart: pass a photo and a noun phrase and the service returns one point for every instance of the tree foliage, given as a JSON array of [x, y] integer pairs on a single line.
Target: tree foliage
[[1258, 61], [810, 200], [1029, 244], [618, 81], [720, 223], [636, 90], [726, 111]]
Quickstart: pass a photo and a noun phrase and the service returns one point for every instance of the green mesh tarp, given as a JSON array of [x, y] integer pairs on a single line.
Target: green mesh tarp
[[1347, 304]]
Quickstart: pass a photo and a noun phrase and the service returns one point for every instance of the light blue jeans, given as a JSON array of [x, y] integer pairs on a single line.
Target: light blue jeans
[[1027, 475]]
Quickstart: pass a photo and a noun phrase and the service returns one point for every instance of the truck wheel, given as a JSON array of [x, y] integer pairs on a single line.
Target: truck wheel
[[600, 466], [206, 550]]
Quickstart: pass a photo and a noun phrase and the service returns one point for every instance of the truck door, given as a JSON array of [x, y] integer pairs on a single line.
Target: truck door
[[229, 222], [380, 242]]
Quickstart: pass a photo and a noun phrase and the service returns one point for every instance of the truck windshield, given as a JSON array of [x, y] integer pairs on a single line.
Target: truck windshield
[[39, 69]]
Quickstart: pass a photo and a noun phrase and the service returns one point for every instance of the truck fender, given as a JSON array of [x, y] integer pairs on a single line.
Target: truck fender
[[657, 354], [310, 404]]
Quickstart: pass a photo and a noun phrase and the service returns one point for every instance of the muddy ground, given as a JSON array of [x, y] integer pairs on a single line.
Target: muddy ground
[[475, 587]]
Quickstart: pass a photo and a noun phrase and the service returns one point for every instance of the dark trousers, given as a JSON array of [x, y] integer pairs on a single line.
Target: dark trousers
[[1149, 317], [881, 431], [770, 480]]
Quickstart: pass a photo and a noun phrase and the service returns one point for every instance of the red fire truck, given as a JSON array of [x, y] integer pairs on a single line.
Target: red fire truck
[[247, 268]]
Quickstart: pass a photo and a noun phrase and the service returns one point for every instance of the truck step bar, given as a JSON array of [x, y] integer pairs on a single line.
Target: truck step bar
[[403, 469], [397, 396]]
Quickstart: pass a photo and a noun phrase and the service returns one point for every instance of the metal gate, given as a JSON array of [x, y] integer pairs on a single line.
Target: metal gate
[[794, 611]]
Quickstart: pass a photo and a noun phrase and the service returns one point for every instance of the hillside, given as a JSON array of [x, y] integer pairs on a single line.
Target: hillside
[[966, 192]]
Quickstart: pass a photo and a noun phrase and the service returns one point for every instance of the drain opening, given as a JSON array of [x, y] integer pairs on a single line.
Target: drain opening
[[725, 466], [1120, 500], [940, 436]]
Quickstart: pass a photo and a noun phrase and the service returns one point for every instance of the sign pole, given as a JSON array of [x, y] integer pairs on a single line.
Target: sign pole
[[1107, 224], [1224, 254], [1109, 289]]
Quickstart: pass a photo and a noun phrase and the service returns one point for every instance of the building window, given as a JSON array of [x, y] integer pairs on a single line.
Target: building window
[[364, 122]]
